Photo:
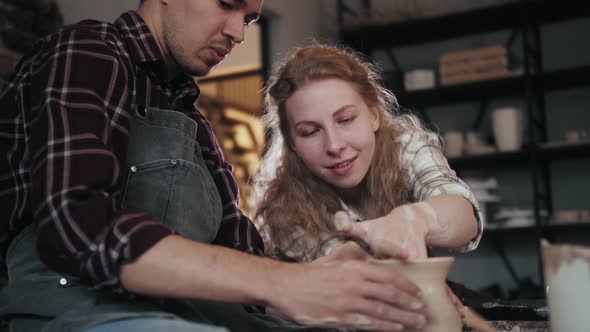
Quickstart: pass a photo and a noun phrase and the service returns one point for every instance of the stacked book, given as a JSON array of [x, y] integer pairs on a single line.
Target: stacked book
[[473, 65]]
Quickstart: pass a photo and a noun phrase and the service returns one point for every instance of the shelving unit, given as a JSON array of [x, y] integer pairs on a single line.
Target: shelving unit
[[546, 152], [566, 227], [524, 17], [499, 17], [505, 87]]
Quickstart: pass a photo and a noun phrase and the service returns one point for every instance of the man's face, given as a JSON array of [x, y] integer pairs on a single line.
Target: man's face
[[197, 34]]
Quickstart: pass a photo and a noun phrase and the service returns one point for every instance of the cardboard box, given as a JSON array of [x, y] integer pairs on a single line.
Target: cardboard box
[[474, 77]]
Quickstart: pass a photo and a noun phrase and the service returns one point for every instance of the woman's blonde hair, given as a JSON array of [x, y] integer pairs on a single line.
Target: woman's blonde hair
[[292, 207]]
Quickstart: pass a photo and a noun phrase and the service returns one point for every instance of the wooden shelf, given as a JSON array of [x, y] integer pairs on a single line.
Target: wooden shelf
[[482, 20]]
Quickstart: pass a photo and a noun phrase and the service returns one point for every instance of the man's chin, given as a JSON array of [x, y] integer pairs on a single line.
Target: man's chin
[[199, 73], [198, 70]]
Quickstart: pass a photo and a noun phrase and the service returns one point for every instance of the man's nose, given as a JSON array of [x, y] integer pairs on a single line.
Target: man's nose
[[234, 28]]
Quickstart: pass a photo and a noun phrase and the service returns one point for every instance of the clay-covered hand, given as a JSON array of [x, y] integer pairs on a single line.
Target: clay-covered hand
[[348, 249], [456, 301], [469, 316], [400, 234], [345, 290]]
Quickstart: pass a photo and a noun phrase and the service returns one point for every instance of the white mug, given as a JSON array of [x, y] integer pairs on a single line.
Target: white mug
[[567, 281], [507, 123]]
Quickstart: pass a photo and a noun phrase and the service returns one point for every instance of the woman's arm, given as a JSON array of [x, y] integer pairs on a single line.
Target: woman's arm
[[445, 221], [449, 221], [443, 195], [446, 213]]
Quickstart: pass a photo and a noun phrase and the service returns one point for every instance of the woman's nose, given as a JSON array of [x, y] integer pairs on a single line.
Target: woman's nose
[[334, 142]]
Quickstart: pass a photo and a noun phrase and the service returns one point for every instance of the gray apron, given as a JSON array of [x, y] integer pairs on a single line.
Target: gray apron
[[167, 177], [168, 180]]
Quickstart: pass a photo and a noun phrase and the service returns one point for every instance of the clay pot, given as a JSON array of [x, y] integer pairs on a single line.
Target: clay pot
[[567, 280], [430, 276]]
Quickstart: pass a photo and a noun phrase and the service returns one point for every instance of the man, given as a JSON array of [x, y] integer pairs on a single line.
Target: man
[[119, 211]]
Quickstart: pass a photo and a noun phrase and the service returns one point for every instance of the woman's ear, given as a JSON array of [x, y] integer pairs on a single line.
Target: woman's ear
[[375, 118], [292, 146]]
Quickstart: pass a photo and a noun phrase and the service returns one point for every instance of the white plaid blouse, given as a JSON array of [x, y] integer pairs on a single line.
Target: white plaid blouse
[[429, 174]]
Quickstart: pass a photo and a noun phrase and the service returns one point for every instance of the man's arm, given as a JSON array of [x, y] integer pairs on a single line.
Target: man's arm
[[76, 120], [339, 292]]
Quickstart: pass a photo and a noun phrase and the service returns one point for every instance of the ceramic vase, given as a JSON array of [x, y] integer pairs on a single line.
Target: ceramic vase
[[430, 276], [567, 281], [507, 123], [453, 144]]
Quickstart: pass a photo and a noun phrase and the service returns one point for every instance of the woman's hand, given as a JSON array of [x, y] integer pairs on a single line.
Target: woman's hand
[[400, 234]]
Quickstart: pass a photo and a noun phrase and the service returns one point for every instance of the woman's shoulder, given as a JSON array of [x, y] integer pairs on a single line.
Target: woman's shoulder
[[415, 138]]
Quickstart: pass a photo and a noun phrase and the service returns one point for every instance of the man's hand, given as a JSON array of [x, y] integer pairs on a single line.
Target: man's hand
[[400, 234], [344, 290]]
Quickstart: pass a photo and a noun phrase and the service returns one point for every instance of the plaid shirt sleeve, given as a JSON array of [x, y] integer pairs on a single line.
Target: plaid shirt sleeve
[[430, 175], [77, 95], [237, 231]]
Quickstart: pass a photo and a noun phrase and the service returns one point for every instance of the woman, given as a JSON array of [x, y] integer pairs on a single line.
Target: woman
[[339, 143]]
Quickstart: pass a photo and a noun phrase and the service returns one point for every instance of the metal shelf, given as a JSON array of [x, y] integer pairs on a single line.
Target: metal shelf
[[548, 152], [564, 151], [505, 87], [574, 226], [545, 228], [490, 159], [478, 21]]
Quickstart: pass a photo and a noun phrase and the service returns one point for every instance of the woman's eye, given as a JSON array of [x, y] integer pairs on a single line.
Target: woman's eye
[[308, 133], [347, 120], [225, 5]]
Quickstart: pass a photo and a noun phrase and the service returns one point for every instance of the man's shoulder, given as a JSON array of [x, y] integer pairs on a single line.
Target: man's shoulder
[[90, 30], [87, 38]]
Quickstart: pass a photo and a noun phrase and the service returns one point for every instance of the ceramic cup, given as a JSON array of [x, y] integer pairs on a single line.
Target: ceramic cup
[[430, 276], [454, 141], [567, 281], [507, 123]]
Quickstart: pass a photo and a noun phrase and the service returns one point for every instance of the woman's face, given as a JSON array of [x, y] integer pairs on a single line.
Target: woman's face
[[333, 131]]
